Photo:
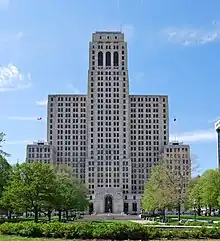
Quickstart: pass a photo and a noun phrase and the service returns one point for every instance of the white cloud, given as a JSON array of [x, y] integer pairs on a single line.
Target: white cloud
[[196, 136], [26, 118], [12, 79], [42, 102], [193, 36], [17, 142], [4, 4]]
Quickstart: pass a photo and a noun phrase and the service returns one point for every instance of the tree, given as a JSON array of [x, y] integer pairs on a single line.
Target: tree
[[194, 194], [158, 193], [4, 173], [167, 187], [71, 195], [210, 191], [2, 153], [149, 202], [31, 186]]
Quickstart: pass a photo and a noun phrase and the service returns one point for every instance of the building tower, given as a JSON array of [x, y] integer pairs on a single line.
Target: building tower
[[108, 163], [217, 128], [109, 139]]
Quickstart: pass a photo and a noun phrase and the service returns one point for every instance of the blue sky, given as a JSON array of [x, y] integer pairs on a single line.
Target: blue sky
[[173, 47]]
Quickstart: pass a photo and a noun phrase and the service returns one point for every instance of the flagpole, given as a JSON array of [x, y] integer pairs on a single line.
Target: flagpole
[[174, 129]]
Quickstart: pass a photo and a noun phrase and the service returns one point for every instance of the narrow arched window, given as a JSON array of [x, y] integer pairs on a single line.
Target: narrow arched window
[[108, 59], [100, 58], [115, 58]]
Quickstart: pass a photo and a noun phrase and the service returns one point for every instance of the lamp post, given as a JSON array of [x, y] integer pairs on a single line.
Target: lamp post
[[194, 204], [22, 176]]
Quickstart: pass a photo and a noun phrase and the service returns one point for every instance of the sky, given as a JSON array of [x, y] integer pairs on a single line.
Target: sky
[[173, 49]]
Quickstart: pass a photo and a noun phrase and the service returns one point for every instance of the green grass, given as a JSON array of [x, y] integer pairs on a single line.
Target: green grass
[[15, 238], [216, 218]]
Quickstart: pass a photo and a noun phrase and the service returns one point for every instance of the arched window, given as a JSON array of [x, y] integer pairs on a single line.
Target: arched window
[[100, 59], [108, 59], [115, 58]]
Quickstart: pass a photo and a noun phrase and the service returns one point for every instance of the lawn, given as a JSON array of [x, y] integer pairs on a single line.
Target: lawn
[[216, 218], [14, 238]]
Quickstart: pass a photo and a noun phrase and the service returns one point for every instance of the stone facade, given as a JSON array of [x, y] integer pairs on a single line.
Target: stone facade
[[41, 151], [109, 138]]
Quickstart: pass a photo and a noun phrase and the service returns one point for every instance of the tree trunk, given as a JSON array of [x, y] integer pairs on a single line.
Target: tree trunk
[[49, 215], [36, 215], [164, 214], [9, 214], [210, 210], [179, 212], [60, 215], [199, 210]]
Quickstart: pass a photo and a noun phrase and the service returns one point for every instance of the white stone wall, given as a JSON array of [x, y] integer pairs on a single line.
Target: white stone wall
[[149, 127], [66, 129]]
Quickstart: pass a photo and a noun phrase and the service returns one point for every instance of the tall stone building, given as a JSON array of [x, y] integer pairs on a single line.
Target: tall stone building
[[109, 138]]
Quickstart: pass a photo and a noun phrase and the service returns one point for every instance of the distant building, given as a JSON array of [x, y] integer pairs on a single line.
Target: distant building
[[41, 151], [217, 128], [176, 156]]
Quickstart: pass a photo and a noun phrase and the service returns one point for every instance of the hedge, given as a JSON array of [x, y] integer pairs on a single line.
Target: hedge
[[105, 230]]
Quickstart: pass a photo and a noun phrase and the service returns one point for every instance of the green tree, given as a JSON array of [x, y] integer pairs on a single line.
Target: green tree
[[158, 193], [194, 194], [166, 188], [2, 153], [210, 189], [148, 201], [4, 173], [71, 195], [31, 186]]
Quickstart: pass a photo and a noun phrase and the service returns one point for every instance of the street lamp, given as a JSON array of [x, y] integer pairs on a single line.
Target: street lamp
[[22, 176], [194, 204]]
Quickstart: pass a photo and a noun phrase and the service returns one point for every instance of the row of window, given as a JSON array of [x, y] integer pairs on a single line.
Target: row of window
[[37, 155], [176, 150], [146, 99], [70, 98], [37, 149]]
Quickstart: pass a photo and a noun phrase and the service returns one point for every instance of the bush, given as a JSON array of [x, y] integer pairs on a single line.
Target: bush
[[103, 230]]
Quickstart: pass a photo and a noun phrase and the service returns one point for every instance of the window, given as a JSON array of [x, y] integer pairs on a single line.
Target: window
[[100, 59], [108, 59], [115, 58]]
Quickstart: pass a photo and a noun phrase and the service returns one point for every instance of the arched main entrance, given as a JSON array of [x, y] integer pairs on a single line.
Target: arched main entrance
[[108, 204]]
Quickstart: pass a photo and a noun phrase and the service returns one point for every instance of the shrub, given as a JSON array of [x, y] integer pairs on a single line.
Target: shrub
[[103, 230]]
